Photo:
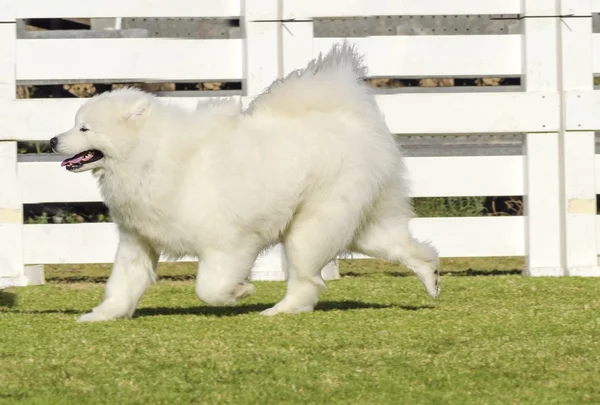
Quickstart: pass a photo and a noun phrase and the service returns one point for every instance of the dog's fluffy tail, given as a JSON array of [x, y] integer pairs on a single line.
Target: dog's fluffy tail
[[341, 59], [330, 82]]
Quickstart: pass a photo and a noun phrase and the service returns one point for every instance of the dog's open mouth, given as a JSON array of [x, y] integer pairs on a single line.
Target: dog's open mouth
[[82, 158]]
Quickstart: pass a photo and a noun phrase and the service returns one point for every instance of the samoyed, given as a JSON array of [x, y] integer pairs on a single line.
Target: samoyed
[[309, 164]]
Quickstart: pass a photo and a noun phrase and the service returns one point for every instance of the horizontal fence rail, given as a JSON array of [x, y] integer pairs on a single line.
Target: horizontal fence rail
[[436, 55], [135, 59], [364, 8], [120, 8], [463, 113], [96, 243]]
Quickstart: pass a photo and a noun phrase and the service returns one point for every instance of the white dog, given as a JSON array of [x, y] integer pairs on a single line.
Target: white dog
[[310, 164]]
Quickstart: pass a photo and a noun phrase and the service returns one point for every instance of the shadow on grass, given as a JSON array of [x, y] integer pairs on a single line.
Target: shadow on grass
[[459, 273], [7, 299], [471, 272], [351, 305], [48, 311], [236, 310], [255, 308], [206, 311], [104, 279]]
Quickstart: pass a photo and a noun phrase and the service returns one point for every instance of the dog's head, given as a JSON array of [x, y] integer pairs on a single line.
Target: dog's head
[[106, 128]]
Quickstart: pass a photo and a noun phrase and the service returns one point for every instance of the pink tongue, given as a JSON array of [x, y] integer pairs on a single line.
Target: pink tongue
[[73, 160]]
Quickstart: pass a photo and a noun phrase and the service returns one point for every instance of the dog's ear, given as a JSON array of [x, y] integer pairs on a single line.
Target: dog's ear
[[139, 109]]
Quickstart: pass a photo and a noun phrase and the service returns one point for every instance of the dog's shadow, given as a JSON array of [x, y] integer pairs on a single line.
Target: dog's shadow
[[255, 308], [237, 310]]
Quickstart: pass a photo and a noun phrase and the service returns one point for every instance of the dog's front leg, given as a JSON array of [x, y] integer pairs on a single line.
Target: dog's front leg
[[133, 272]]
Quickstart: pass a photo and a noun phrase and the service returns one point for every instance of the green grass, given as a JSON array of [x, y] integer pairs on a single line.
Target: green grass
[[497, 338]]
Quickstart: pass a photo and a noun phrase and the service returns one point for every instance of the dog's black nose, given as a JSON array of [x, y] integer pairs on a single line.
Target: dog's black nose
[[53, 142]]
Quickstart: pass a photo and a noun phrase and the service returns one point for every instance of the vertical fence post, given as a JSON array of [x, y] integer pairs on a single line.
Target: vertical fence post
[[541, 150], [261, 66], [577, 147], [297, 39], [261, 45], [12, 270]]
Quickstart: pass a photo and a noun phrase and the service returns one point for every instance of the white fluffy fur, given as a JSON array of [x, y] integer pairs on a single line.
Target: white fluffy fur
[[310, 164]]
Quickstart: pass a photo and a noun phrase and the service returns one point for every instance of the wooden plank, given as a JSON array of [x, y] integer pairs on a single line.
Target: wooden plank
[[597, 229], [454, 237], [543, 227], [11, 215], [596, 51], [70, 243], [436, 55], [261, 45], [454, 113], [127, 8], [7, 12], [457, 113], [8, 36], [597, 174], [159, 59], [11, 209], [367, 8], [473, 236], [577, 147], [466, 176], [582, 110], [45, 182], [48, 182]]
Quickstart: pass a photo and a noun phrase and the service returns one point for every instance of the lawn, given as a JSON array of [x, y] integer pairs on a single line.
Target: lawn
[[493, 337]]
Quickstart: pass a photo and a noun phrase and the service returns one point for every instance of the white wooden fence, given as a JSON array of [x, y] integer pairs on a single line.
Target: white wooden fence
[[557, 110]]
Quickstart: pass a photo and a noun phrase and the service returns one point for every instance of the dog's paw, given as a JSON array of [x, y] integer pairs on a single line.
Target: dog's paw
[[285, 309], [431, 281], [93, 317], [434, 289], [107, 311], [243, 290], [270, 312], [225, 298]]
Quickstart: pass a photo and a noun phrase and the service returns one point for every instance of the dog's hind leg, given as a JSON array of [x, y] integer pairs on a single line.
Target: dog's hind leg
[[314, 239], [133, 272], [389, 238], [222, 276]]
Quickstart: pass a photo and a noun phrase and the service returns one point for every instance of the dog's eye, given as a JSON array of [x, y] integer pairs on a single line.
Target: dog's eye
[[84, 129]]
